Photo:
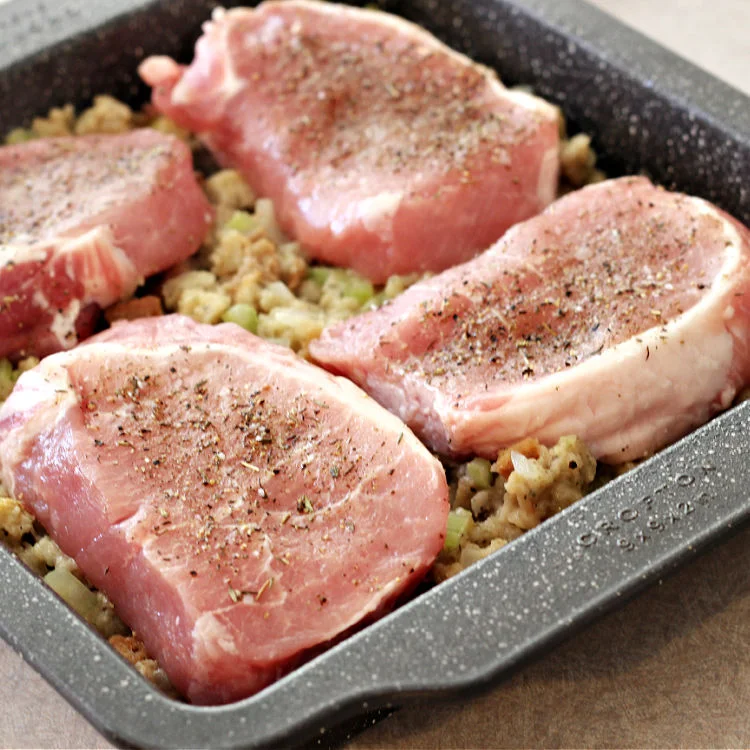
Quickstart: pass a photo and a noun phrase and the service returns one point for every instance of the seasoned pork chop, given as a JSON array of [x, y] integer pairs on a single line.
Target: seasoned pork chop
[[82, 221], [381, 148], [241, 507], [621, 315]]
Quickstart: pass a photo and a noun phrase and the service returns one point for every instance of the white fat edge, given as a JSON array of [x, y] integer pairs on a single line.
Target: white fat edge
[[45, 393], [546, 186], [217, 16], [733, 248], [533, 103], [271, 29], [216, 637], [649, 343], [130, 526], [641, 344], [93, 246], [383, 206], [63, 325], [506, 411], [41, 301], [17, 253], [375, 212], [94, 289], [184, 94], [161, 350]]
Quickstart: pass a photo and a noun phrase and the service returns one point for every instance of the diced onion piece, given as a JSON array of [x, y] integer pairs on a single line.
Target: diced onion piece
[[243, 315], [266, 218], [458, 524], [526, 467], [73, 592]]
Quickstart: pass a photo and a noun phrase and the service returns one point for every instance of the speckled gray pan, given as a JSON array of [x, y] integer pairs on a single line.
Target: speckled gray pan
[[649, 111]]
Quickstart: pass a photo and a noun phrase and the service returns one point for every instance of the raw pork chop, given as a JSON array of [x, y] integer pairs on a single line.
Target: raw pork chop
[[619, 315], [382, 149], [82, 221], [239, 505]]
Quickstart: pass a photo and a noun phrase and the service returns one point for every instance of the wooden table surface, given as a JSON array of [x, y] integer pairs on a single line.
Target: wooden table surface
[[670, 669]]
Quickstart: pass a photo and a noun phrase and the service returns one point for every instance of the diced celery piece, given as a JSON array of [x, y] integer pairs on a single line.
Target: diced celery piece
[[359, 289], [319, 274], [480, 473], [346, 283], [376, 301], [76, 594], [243, 315], [241, 221], [458, 524], [7, 378], [26, 364], [19, 135]]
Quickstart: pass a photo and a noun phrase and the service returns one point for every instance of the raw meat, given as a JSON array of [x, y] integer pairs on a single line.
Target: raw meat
[[381, 148], [241, 507], [82, 221], [619, 315]]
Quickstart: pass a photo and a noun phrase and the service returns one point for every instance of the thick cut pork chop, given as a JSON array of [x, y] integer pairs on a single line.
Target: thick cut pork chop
[[82, 221], [621, 315], [240, 506], [381, 148]]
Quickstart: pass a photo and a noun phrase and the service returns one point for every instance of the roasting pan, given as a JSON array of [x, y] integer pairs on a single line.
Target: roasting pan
[[649, 111]]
